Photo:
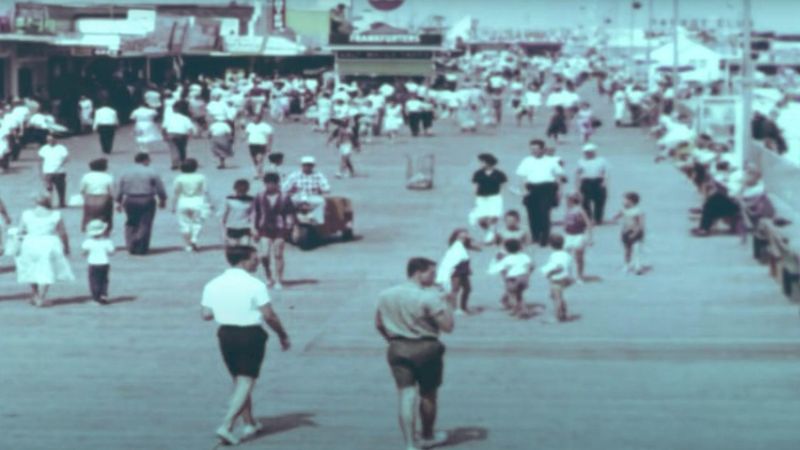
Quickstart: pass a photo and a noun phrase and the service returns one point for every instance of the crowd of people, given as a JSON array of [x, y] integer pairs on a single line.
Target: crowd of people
[[259, 222]]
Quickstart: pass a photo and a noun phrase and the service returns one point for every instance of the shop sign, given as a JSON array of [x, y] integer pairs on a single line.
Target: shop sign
[[243, 44], [386, 5], [385, 38]]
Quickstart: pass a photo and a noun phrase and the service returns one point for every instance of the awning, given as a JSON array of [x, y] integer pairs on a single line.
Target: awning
[[385, 67]]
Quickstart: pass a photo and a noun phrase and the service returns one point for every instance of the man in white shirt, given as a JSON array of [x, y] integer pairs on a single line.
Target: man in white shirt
[[413, 109], [592, 175], [240, 304], [105, 123], [540, 175], [259, 140], [54, 157], [178, 127]]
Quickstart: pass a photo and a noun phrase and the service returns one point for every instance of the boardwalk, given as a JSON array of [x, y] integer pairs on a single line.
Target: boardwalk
[[702, 353]]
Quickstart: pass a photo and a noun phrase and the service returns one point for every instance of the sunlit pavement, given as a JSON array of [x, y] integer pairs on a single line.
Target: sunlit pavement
[[702, 352]]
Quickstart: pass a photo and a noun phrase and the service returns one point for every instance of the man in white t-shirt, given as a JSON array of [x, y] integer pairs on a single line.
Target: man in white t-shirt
[[105, 123], [179, 127], [240, 304], [259, 140], [54, 157], [540, 175]]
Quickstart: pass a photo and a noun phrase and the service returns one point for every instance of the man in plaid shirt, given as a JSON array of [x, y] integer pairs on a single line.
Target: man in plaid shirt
[[310, 185]]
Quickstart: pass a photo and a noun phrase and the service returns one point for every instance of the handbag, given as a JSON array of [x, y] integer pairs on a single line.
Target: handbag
[[11, 246]]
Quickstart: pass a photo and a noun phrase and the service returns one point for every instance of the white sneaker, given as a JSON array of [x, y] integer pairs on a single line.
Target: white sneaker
[[460, 312], [439, 438], [226, 436], [277, 286], [251, 430]]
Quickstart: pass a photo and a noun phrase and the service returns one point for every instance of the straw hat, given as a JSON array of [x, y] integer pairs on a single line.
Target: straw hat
[[96, 228]]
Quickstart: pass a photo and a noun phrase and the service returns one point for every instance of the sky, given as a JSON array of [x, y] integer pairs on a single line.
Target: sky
[[768, 15]]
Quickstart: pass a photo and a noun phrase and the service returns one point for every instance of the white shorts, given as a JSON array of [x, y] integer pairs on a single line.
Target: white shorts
[[489, 206], [575, 241], [345, 149]]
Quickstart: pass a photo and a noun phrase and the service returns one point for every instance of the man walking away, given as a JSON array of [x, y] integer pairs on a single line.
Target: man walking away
[[240, 304], [410, 317], [105, 123], [137, 194]]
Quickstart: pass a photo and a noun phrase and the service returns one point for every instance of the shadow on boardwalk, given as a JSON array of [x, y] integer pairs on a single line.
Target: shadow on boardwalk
[[282, 424]]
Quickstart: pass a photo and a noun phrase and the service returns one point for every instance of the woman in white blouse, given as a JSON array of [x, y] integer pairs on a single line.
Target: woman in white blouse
[[97, 189], [190, 202]]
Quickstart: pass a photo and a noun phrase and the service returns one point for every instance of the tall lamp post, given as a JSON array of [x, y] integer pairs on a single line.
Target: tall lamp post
[[675, 72], [750, 154]]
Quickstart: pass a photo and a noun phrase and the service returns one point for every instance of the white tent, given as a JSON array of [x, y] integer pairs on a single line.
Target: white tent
[[462, 29], [703, 61]]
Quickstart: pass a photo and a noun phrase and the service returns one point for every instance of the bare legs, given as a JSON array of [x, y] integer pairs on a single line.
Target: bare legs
[[39, 293], [274, 249], [240, 405], [408, 414]]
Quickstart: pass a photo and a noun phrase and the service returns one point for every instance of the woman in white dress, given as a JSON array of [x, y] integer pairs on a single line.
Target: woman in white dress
[[146, 129], [393, 119], [190, 202], [41, 260]]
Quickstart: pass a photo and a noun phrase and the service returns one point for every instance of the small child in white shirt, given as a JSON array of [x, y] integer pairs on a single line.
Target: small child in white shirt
[[516, 268], [558, 272], [98, 248]]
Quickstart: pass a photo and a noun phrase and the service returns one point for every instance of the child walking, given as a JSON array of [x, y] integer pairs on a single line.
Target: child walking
[[98, 249], [516, 268], [577, 233], [454, 271], [343, 137], [237, 216], [632, 232], [558, 272]]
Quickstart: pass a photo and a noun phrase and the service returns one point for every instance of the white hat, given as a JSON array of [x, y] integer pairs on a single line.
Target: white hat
[[589, 148], [308, 160], [96, 228]]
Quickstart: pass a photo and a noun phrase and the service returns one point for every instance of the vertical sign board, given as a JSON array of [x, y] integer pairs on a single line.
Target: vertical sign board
[[278, 15]]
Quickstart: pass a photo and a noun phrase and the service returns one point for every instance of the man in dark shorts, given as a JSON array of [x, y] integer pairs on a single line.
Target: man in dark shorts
[[273, 215], [240, 304], [410, 317]]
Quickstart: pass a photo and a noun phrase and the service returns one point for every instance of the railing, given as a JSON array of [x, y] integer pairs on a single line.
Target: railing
[[781, 179]]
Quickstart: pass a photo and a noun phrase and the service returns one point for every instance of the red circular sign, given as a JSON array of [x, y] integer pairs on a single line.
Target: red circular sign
[[385, 5]]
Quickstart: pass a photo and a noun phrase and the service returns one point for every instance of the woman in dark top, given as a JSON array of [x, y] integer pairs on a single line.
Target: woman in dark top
[[488, 197], [558, 124]]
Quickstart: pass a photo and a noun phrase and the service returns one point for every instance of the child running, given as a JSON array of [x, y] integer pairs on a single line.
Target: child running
[[558, 272], [632, 232], [577, 233], [512, 229], [98, 249], [236, 219], [516, 268], [454, 271]]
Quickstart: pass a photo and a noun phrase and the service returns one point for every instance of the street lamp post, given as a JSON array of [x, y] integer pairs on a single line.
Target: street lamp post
[[750, 154], [675, 72]]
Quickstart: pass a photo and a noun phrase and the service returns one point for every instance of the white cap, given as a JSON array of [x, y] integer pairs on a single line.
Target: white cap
[[589, 148], [308, 160]]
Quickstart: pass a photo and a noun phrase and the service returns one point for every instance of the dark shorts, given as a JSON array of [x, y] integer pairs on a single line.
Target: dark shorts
[[274, 233], [243, 349], [416, 362], [463, 269], [631, 237], [237, 233], [516, 284], [256, 150]]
